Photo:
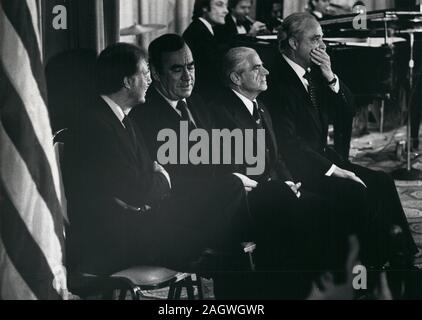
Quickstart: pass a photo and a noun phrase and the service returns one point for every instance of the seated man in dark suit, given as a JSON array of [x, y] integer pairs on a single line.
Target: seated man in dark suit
[[305, 90], [279, 201], [122, 207], [168, 102], [206, 48]]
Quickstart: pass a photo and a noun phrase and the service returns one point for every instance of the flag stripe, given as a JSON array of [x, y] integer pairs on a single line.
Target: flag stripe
[[19, 15], [24, 196], [24, 253], [20, 130], [18, 70], [31, 220], [11, 279]]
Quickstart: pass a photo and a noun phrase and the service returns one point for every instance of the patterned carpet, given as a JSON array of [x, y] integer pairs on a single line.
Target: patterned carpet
[[376, 151]]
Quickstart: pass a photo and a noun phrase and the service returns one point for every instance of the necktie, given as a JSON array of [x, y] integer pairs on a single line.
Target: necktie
[[182, 107], [129, 128], [312, 89], [256, 116]]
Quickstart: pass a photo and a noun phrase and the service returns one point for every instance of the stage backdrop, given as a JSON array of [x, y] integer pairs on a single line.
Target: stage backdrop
[[175, 14]]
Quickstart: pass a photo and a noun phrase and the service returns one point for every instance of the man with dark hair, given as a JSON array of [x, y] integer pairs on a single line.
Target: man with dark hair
[[123, 208], [274, 16], [238, 20], [170, 100], [206, 48], [303, 92], [319, 8]]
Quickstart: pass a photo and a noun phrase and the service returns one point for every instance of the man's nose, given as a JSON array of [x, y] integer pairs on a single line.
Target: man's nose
[[186, 74], [322, 45], [265, 71]]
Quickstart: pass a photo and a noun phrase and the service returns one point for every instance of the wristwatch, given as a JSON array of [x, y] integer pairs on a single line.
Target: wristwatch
[[333, 82]]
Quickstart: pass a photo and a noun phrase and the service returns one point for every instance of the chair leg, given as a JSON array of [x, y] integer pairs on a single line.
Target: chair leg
[[178, 293], [199, 286], [188, 283], [172, 290], [251, 261], [122, 295]]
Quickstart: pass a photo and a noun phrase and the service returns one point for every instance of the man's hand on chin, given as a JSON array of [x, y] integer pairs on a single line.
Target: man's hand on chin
[[323, 60]]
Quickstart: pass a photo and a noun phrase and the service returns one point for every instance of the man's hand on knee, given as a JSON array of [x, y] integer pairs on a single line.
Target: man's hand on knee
[[249, 184], [342, 173]]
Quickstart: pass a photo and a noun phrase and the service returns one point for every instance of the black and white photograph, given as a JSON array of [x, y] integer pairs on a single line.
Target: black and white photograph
[[216, 153]]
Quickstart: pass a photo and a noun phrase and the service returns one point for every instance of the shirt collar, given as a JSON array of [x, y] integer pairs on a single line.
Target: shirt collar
[[318, 14], [207, 24], [299, 70], [172, 103], [240, 29], [117, 110], [247, 102]]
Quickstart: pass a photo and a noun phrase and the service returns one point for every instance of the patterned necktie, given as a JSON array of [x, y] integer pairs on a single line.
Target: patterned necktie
[[256, 116], [130, 130], [312, 89], [182, 107]]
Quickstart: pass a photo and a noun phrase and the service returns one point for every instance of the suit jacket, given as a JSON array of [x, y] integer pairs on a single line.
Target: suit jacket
[[102, 163], [301, 129], [207, 52], [231, 113], [156, 114], [231, 28], [227, 34]]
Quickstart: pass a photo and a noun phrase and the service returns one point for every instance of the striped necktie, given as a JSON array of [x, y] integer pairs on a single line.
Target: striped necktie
[[183, 108], [312, 89]]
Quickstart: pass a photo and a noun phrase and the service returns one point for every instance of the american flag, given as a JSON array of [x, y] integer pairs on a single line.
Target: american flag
[[31, 213]]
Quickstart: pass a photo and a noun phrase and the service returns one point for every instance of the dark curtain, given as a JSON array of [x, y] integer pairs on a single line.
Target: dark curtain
[[111, 21], [83, 21], [263, 8]]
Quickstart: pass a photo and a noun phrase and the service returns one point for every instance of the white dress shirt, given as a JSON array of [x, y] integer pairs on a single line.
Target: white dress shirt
[[248, 103], [240, 29]]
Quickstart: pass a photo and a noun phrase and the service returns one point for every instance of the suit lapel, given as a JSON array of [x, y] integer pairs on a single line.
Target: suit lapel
[[117, 126], [268, 125], [297, 86], [166, 115], [244, 119], [240, 113]]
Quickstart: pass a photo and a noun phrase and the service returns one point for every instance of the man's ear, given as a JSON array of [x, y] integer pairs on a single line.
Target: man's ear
[[235, 79], [127, 82], [293, 43], [154, 74]]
